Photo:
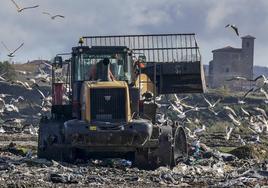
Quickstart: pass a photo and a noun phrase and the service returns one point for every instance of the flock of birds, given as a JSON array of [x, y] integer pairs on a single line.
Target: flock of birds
[[255, 119], [11, 53], [20, 9], [11, 104], [256, 123]]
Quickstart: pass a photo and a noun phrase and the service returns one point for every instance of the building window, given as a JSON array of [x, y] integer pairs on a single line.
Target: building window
[[247, 44], [227, 70]]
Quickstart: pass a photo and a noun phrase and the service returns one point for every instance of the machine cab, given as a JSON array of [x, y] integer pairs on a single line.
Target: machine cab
[[101, 63], [100, 77]]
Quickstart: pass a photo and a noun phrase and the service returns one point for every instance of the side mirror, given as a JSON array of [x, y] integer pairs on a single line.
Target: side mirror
[[58, 61]]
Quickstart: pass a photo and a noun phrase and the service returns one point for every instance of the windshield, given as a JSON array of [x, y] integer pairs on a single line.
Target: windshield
[[93, 67]]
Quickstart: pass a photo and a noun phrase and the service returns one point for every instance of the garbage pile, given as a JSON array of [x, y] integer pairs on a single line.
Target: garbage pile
[[20, 167]]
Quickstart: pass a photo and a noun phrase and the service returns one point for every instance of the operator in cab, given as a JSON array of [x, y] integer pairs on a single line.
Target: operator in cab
[[101, 71]]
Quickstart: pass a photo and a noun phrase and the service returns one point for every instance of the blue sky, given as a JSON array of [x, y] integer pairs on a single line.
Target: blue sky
[[44, 37]]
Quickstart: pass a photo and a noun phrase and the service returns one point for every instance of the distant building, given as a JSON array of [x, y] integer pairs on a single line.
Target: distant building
[[229, 62]]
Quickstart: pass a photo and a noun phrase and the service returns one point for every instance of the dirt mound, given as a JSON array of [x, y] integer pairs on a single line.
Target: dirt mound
[[257, 152]]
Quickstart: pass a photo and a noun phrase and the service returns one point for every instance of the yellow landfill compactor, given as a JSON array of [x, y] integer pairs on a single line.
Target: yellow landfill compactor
[[104, 99]]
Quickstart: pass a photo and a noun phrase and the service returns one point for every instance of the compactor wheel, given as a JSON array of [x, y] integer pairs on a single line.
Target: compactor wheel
[[49, 136], [180, 149], [165, 151], [172, 147]]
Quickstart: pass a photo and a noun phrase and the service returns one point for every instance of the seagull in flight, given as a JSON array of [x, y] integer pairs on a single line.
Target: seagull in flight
[[235, 121], [245, 112], [242, 100], [181, 114], [179, 102], [266, 95], [161, 118], [229, 130], [11, 53], [233, 27], [2, 78], [210, 105], [262, 111], [190, 133], [2, 130], [45, 100], [19, 9], [238, 78], [261, 81], [53, 17], [24, 84], [227, 108], [199, 130], [214, 112]]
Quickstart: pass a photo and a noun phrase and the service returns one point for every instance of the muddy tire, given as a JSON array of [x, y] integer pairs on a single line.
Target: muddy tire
[[165, 151], [180, 149], [144, 160], [49, 135]]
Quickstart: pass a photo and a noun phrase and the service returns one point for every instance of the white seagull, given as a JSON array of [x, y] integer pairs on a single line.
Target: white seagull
[[54, 16], [261, 81], [211, 105], [199, 130], [22, 72], [11, 108], [179, 100], [265, 94], [242, 100], [11, 53], [45, 100], [161, 118], [229, 130], [214, 112], [13, 100], [262, 111], [238, 78], [24, 84], [180, 114], [2, 78], [19, 9], [235, 121], [43, 76], [245, 112], [190, 133], [230, 110], [234, 28], [241, 140]]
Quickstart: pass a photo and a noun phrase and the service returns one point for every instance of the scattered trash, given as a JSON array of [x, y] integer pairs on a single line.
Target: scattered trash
[[17, 150], [114, 162], [38, 162], [63, 178]]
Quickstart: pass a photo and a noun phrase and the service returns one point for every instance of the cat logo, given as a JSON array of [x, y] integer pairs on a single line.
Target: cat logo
[[107, 98]]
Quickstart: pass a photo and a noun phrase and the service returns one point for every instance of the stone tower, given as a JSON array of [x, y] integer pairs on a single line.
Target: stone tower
[[229, 62], [248, 55]]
